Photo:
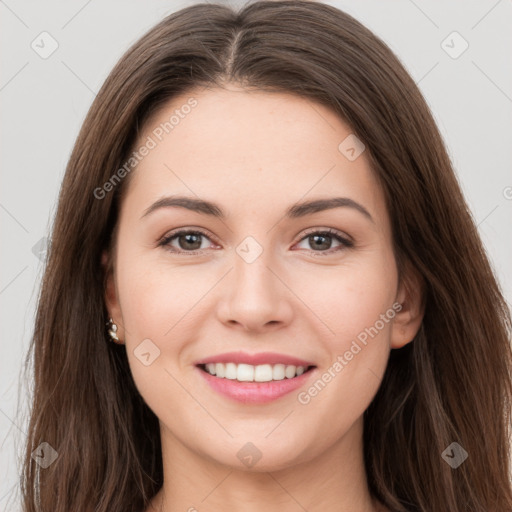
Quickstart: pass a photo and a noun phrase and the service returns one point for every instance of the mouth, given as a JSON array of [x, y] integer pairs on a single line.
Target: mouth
[[249, 384], [254, 373]]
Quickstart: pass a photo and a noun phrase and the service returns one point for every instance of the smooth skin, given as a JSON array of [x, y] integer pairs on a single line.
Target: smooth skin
[[255, 154]]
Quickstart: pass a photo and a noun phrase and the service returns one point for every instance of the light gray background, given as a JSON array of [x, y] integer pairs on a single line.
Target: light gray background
[[44, 101]]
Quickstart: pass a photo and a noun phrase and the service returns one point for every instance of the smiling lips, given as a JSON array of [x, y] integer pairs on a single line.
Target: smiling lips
[[257, 378]]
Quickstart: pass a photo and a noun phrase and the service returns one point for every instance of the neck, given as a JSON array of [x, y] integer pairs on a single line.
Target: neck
[[332, 481]]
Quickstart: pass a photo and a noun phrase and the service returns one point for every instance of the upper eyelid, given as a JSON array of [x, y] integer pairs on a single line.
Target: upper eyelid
[[180, 231], [329, 231]]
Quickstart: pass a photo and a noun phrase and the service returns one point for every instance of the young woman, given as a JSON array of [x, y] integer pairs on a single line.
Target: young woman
[[300, 313]]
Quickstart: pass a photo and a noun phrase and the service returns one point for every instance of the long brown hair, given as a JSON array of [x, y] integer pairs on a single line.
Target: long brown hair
[[452, 383]]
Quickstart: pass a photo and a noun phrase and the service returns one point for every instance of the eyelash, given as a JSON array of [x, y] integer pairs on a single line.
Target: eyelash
[[345, 242]]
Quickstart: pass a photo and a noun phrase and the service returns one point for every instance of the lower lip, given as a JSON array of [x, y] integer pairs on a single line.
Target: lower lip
[[255, 392]]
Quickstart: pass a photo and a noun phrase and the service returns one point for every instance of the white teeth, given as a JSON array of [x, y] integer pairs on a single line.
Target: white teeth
[[250, 373], [263, 373], [219, 369], [278, 372], [230, 372], [289, 372], [245, 373]]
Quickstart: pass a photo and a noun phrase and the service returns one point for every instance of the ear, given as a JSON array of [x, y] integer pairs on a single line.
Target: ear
[[411, 295], [111, 295]]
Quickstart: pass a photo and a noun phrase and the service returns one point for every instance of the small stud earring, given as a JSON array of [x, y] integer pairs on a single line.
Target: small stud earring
[[112, 331]]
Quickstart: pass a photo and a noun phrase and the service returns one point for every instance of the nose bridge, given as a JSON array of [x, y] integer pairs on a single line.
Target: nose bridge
[[256, 297], [252, 278]]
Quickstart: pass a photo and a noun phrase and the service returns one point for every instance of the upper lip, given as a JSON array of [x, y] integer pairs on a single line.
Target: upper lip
[[255, 359]]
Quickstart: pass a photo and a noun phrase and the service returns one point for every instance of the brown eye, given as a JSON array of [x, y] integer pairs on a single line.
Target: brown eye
[[188, 241], [321, 241]]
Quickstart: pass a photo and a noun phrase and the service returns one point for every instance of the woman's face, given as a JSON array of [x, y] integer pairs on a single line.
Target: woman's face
[[257, 280]]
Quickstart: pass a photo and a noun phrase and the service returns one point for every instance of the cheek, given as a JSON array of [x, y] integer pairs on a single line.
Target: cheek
[[357, 307], [152, 302], [154, 296], [359, 310], [352, 298]]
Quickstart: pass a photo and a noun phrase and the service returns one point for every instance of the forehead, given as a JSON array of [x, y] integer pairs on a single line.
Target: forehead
[[249, 149]]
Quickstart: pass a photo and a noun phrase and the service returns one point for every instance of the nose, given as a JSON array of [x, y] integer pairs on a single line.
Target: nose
[[255, 297]]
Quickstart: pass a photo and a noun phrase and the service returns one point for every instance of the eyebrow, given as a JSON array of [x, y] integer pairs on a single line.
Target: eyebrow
[[293, 212]]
